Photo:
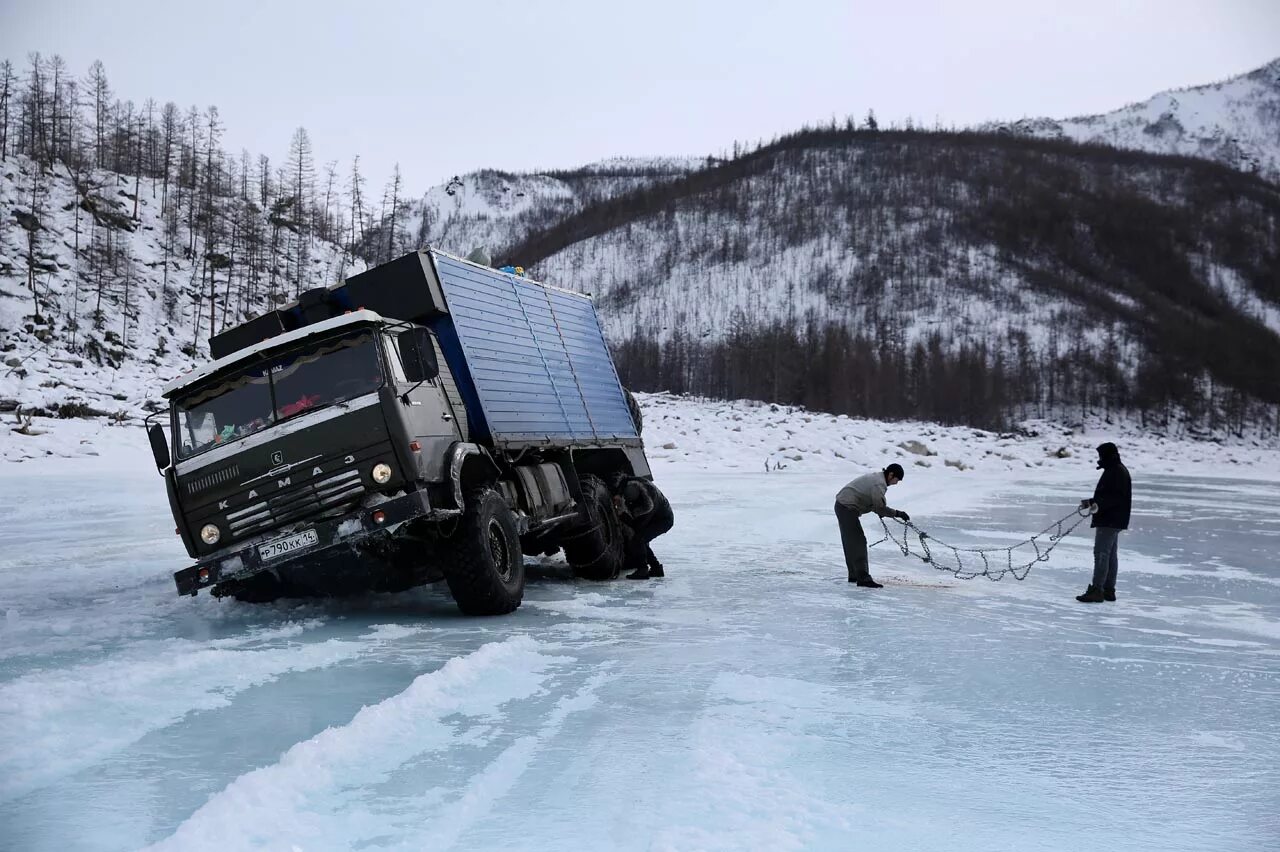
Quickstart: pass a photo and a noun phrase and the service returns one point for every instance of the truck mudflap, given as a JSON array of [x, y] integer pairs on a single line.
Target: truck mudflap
[[308, 542]]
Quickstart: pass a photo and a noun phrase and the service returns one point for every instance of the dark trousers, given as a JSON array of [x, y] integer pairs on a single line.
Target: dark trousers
[[1106, 545], [854, 541], [638, 552]]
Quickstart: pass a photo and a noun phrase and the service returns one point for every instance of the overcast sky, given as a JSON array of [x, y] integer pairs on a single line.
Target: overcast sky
[[445, 88]]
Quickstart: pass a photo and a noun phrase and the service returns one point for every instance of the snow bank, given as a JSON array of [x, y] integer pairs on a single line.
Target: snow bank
[[756, 437]]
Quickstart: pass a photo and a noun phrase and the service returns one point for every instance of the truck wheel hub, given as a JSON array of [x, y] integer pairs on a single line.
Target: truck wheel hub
[[498, 549]]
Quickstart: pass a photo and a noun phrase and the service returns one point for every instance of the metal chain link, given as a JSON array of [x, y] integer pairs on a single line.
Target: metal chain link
[[927, 543], [585, 532]]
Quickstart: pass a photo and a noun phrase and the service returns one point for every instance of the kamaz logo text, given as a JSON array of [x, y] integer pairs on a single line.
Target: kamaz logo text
[[223, 505]]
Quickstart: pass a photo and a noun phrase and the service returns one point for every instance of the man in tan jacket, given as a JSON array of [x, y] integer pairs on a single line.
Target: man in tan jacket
[[862, 495]]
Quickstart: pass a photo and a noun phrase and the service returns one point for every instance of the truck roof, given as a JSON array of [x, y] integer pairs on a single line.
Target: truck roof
[[205, 370]]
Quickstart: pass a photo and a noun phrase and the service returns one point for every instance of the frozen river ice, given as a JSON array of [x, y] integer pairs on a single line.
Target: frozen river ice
[[751, 700]]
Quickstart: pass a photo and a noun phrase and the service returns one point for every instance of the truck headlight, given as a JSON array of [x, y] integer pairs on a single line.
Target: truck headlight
[[210, 534], [381, 473]]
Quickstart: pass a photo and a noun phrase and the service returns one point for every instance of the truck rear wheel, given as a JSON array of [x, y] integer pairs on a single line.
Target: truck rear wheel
[[595, 552], [485, 566]]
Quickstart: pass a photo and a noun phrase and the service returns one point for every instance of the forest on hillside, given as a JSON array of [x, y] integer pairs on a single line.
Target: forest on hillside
[[248, 227], [957, 277]]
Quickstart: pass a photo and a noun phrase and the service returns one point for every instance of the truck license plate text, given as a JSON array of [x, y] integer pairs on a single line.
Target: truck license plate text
[[282, 546]]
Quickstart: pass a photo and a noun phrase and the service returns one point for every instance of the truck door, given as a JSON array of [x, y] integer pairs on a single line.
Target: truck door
[[420, 389]]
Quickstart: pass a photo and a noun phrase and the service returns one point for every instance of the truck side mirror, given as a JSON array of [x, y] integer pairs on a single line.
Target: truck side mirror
[[418, 355], [159, 446]]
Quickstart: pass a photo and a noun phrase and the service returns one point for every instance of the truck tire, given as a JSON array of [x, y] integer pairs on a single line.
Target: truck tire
[[595, 551], [484, 564], [636, 416]]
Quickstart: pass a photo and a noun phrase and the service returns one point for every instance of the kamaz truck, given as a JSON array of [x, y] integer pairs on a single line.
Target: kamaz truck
[[429, 419]]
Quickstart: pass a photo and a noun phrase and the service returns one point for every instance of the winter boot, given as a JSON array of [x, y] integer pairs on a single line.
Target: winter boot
[[655, 570], [641, 573], [1109, 594], [869, 584], [1091, 595]]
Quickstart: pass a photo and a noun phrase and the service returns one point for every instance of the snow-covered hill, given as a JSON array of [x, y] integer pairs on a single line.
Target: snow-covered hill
[[110, 319], [494, 209], [1236, 122], [960, 277], [1072, 277]]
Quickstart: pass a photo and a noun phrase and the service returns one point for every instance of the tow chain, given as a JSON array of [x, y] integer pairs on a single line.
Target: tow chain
[[1056, 531], [586, 531]]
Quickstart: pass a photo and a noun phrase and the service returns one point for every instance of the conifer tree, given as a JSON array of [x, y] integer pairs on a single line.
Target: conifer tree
[[100, 94], [8, 83]]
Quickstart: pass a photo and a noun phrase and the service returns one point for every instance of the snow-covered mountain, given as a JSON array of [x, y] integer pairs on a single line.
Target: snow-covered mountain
[[1235, 122], [959, 277], [493, 209], [1073, 277], [104, 314]]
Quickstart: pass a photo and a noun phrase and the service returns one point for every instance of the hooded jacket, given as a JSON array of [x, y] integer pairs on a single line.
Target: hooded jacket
[[1114, 492], [644, 500]]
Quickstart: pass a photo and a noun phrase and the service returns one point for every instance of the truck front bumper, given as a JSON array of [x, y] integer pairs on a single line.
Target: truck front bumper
[[333, 535]]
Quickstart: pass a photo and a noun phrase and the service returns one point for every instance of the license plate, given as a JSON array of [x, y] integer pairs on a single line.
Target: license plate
[[289, 544]]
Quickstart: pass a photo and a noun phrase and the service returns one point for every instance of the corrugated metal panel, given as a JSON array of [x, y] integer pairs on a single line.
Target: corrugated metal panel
[[536, 356]]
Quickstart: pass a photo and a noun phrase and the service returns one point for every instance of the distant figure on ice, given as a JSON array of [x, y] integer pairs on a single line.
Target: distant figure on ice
[[647, 514], [862, 495], [1113, 498]]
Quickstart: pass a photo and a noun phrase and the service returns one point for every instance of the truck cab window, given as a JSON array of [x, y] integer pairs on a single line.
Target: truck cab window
[[238, 406], [394, 361], [253, 398], [336, 371]]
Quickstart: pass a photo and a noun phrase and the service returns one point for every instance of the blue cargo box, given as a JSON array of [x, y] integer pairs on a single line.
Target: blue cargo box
[[530, 360]]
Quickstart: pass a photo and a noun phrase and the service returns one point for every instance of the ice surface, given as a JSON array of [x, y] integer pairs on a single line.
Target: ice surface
[[750, 700]]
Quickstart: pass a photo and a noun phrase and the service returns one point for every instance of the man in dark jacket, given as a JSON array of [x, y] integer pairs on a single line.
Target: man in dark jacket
[[1112, 500], [862, 495], [646, 512]]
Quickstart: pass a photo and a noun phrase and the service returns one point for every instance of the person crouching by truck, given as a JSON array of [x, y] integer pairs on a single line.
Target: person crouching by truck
[[862, 495], [646, 513]]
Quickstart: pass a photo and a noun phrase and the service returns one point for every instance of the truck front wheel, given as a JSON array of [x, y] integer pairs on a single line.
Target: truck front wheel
[[595, 552], [485, 566], [260, 588]]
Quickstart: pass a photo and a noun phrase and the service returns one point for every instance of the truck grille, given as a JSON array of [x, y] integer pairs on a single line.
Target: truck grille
[[333, 492], [195, 486]]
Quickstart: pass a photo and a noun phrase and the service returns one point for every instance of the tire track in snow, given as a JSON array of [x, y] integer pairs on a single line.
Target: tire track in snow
[[55, 723], [746, 746], [317, 797], [500, 776]]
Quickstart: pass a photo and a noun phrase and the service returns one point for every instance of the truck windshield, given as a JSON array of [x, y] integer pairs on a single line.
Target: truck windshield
[[269, 391]]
